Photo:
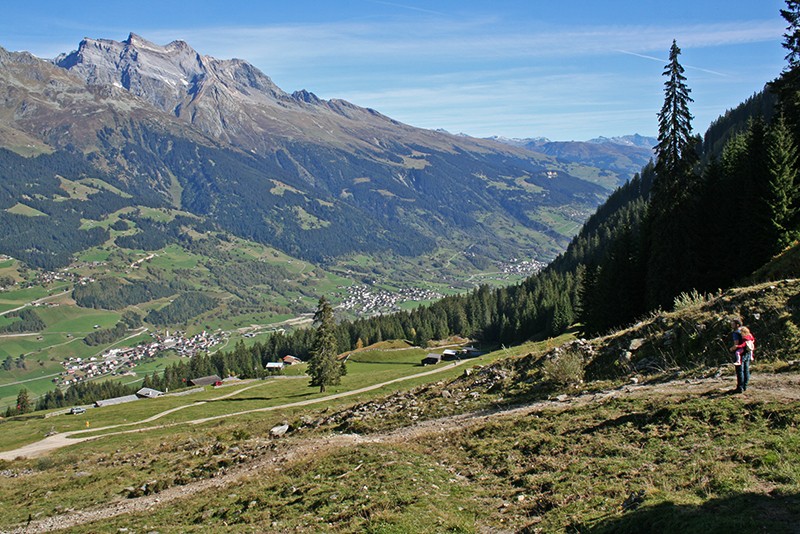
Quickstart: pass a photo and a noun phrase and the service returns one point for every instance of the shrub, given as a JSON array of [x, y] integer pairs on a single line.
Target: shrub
[[564, 369], [690, 300]]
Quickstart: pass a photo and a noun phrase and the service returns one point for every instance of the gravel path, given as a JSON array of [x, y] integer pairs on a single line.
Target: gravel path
[[782, 387]]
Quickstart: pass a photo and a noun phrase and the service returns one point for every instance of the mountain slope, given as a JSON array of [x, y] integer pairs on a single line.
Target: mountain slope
[[498, 444], [321, 180]]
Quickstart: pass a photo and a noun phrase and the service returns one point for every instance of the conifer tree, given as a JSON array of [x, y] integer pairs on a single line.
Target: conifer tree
[[667, 226], [675, 151], [787, 86], [781, 201], [23, 401], [323, 367]]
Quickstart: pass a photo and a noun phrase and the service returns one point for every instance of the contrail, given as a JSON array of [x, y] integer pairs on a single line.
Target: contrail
[[663, 61], [412, 8]]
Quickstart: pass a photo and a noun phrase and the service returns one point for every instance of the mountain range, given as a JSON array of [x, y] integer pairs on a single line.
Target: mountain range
[[323, 180]]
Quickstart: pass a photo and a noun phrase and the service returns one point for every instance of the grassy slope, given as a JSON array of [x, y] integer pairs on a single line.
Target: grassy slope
[[569, 460]]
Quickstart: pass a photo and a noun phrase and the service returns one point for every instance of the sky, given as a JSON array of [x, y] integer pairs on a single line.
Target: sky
[[565, 70]]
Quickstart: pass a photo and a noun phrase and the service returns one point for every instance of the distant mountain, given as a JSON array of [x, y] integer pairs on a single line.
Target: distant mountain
[[319, 179], [619, 158], [636, 140]]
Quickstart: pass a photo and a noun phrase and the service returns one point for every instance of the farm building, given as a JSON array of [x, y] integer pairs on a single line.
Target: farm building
[[274, 366], [115, 400], [450, 354], [212, 380], [291, 360], [432, 359], [148, 393]]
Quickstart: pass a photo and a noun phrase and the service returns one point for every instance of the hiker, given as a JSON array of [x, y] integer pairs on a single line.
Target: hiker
[[743, 349]]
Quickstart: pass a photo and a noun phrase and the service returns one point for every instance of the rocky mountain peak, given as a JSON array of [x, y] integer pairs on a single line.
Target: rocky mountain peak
[[173, 77]]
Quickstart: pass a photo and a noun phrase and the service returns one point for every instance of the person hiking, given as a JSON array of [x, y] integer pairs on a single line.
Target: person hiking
[[743, 349]]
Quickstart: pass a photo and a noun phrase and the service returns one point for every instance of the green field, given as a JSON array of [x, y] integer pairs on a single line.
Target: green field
[[365, 368], [266, 303]]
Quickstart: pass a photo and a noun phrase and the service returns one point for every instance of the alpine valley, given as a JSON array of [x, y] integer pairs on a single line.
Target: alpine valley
[[142, 125], [149, 182], [171, 221]]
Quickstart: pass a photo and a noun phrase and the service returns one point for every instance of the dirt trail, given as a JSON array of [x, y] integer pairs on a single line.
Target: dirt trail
[[766, 387], [57, 441]]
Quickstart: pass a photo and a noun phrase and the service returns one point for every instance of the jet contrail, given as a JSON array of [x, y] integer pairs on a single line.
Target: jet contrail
[[663, 61]]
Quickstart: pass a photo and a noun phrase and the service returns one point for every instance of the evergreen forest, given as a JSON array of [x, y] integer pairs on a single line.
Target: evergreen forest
[[703, 216]]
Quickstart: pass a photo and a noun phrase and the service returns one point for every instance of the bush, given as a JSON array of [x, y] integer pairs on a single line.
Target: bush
[[690, 300], [565, 369]]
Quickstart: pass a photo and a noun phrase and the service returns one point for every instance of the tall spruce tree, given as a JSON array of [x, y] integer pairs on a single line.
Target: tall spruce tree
[[782, 197], [23, 401], [676, 148], [787, 85], [674, 189], [323, 367]]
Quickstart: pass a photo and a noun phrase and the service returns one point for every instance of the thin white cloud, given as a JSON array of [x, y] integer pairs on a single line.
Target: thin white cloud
[[476, 39]]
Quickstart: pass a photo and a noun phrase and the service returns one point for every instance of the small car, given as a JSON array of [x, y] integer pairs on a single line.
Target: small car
[[77, 410]]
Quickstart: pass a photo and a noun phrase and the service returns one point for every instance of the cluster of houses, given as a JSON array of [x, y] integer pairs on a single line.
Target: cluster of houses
[[363, 300], [64, 275], [522, 267], [119, 361], [188, 346]]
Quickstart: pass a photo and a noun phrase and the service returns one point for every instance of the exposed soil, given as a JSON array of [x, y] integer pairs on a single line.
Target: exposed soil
[[784, 387]]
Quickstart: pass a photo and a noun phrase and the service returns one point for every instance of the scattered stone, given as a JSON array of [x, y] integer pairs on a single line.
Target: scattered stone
[[635, 344], [278, 431]]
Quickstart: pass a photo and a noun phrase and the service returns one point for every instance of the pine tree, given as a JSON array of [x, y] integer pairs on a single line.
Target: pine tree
[[791, 39], [787, 86], [23, 401], [675, 151], [781, 201], [674, 192], [323, 367]]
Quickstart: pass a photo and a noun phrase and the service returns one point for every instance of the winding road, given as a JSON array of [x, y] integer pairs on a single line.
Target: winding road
[[64, 439]]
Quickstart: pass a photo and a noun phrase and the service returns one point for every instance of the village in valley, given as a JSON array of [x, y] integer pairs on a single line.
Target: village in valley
[[366, 301], [121, 361]]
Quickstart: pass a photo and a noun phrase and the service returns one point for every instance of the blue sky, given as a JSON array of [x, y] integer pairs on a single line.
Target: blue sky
[[537, 68]]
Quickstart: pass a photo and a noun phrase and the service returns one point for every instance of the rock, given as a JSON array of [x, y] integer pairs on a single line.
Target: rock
[[278, 431], [635, 344], [446, 394]]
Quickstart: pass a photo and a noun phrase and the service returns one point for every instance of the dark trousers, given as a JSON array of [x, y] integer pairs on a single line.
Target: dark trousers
[[743, 374]]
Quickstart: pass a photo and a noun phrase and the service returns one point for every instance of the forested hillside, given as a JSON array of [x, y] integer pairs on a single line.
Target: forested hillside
[[699, 219]]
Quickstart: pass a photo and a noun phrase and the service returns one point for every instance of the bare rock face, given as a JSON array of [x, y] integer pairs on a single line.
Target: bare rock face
[[230, 100], [169, 77]]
